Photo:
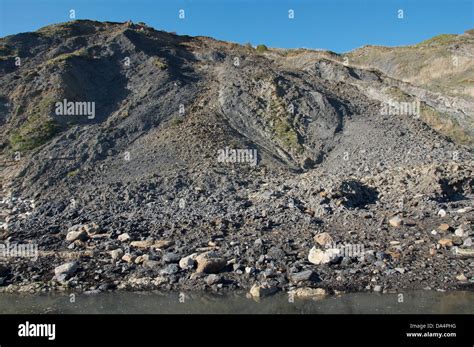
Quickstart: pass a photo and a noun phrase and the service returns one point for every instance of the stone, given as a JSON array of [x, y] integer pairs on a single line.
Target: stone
[[276, 253], [142, 244], [141, 259], [162, 244], [66, 269], [377, 288], [76, 234], [188, 262], [91, 228], [210, 262], [261, 290], [442, 213], [467, 242], [461, 278], [444, 227], [171, 257], [116, 253], [317, 256], [123, 237], [127, 257], [152, 264], [459, 232], [302, 276], [445, 242], [323, 239], [169, 269], [213, 279], [395, 221], [308, 293]]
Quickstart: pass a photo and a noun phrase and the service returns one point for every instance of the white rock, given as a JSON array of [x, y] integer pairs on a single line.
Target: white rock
[[76, 233], [395, 221], [259, 291], [317, 256], [442, 213], [116, 253], [188, 262], [459, 232], [123, 237], [66, 269], [306, 292]]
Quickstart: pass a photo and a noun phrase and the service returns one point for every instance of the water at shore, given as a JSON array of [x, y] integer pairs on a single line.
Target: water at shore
[[417, 302]]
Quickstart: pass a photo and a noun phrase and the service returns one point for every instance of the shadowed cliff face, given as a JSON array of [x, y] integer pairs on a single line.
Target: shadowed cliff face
[[296, 107]]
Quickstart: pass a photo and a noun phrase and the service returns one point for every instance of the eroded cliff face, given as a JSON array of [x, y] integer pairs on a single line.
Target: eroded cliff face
[[146, 161]]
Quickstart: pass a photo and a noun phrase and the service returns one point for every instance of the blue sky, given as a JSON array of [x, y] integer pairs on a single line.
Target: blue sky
[[338, 25]]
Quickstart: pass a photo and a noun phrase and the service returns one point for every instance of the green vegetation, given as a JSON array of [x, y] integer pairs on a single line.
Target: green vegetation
[[442, 39], [160, 64], [72, 173], [64, 57], [261, 48], [445, 125], [177, 120], [26, 139], [37, 129]]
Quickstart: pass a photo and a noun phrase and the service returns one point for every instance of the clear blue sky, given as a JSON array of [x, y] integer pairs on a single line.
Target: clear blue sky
[[338, 25]]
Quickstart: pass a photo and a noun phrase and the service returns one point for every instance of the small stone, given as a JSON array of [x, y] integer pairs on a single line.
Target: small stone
[[249, 270], [76, 234], [395, 221], [142, 258], [188, 262], [461, 278], [444, 227], [212, 279], [323, 239], [127, 257], [459, 232], [123, 237], [303, 276], [142, 244], [307, 293], [161, 244], [467, 242], [442, 213], [66, 269], [259, 291], [169, 269], [171, 258], [445, 242], [317, 256], [377, 288], [210, 262], [152, 264], [116, 253]]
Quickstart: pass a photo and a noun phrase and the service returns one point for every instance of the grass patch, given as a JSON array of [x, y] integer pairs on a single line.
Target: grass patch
[[442, 39], [25, 140], [37, 129], [72, 173], [261, 48], [445, 125], [66, 56], [177, 121], [160, 64]]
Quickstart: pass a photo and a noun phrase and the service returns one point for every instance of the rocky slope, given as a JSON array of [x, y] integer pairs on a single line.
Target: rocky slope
[[341, 196]]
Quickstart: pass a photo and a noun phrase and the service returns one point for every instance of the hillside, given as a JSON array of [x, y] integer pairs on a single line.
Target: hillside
[[172, 146]]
